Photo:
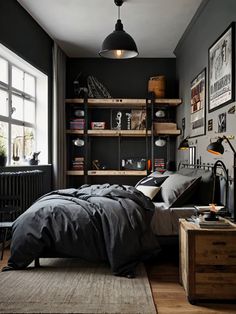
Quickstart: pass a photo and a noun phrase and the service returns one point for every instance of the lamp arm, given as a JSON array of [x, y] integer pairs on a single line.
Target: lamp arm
[[231, 146]]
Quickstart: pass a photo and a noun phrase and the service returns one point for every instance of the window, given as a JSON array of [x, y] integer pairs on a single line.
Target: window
[[23, 109]]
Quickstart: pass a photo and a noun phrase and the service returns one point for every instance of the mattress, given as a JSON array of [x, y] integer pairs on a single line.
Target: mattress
[[165, 221]]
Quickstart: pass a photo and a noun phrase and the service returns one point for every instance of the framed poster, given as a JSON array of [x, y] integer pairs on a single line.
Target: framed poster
[[198, 105], [221, 70]]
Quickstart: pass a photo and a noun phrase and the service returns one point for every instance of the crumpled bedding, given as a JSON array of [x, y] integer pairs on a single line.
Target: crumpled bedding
[[95, 222]]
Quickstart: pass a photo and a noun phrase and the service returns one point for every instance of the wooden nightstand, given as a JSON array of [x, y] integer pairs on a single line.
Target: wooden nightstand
[[207, 262]]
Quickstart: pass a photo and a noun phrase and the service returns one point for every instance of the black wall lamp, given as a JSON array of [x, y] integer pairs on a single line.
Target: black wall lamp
[[217, 148], [184, 144], [119, 44]]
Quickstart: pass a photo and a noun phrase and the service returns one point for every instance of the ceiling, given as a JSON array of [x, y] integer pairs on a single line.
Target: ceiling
[[80, 26]]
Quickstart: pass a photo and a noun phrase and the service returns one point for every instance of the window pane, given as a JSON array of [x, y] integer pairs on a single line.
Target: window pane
[[17, 108], [17, 133], [17, 78], [29, 84], [29, 142], [3, 71], [3, 103], [4, 137], [29, 111]]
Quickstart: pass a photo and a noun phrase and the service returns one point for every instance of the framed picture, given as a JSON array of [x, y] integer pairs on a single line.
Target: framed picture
[[221, 70], [198, 105]]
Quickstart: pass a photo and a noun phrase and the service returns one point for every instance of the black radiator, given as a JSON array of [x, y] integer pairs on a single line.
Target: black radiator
[[18, 190]]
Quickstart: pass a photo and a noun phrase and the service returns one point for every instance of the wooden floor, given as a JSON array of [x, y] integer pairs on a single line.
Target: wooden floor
[[168, 294]]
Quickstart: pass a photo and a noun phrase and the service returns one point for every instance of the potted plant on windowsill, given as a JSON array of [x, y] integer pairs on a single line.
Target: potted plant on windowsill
[[3, 155]]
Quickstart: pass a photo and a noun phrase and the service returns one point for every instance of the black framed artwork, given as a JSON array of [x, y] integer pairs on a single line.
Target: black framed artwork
[[198, 105], [221, 74]]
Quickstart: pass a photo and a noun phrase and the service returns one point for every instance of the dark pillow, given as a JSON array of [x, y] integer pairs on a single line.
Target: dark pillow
[[178, 189]]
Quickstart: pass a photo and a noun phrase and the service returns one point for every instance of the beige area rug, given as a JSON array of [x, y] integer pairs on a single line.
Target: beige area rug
[[73, 286]]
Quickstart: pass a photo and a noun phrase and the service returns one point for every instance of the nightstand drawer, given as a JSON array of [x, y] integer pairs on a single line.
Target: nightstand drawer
[[215, 249], [222, 285]]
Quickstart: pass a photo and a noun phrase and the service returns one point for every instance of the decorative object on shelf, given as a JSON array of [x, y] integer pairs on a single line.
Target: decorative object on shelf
[[160, 142], [221, 70], [96, 89], [222, 122], [138, 119], [218, 149], [98, 125], [79, 89], [157, 84], [79, 113], [34, 160], [210, 125], [96, 165], [121, 119], [133, 164], [119, 44], [160, 114], [198, 104], [78, 142], [165, 128]]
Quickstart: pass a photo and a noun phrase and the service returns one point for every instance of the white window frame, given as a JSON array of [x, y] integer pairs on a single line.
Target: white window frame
[[40, 99]]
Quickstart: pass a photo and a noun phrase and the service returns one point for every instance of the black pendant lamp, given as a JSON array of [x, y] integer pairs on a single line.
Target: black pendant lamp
[[119, 44]]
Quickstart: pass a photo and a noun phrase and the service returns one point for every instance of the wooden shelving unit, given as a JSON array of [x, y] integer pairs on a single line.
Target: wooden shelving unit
[[88, 134]]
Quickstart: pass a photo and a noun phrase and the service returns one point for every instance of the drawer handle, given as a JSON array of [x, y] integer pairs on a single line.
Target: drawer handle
[[219, 243]]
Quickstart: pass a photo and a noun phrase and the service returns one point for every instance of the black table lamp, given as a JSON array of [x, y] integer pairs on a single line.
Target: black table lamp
[[218, 149]]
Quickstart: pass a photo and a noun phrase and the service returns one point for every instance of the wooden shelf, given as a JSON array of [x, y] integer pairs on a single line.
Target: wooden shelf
[[167, 132], [75, 131], [133, 133], [75, 172], [117, 173], [123, 102]]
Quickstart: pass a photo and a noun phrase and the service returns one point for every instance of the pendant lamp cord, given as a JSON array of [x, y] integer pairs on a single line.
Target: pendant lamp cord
[[118, 12]]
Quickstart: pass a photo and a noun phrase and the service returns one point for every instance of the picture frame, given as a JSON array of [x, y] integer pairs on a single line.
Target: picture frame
[[198, 105], [221, 74]]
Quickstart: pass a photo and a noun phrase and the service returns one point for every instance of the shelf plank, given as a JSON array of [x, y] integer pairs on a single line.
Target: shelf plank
[[75, 131], [124, 102], [133, 133], [117, 173], [75, 172], [167, 132]]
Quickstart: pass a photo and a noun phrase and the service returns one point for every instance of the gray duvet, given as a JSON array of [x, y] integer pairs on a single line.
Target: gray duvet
[[97, 223]]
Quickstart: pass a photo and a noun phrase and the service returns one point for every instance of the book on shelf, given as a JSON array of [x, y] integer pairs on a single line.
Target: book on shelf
[[203, 208]]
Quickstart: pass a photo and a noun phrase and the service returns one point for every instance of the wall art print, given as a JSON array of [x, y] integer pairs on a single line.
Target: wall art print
[[221, 70], [198, 105]]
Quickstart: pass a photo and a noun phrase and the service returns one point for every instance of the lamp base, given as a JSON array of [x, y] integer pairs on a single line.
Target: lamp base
[[211, 216]]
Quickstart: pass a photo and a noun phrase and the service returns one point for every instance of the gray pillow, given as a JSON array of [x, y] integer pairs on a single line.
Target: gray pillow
[[178, 189]]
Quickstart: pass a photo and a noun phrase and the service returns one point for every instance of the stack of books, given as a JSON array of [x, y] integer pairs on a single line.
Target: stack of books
[[159, 164], [77, 124], [215, 224], [78, 163]]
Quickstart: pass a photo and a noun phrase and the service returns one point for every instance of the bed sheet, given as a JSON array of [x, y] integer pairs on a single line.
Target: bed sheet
[[165, 221]]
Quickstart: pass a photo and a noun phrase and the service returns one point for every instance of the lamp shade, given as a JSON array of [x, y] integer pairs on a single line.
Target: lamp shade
[[184, 144], [119, 44], [216, 147]]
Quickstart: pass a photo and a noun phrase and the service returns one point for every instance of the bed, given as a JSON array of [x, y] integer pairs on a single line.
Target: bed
[[114, 223]]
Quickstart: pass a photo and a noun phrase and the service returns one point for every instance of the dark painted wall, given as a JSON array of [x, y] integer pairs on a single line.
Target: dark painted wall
[[20, 33], [192, 56], [124, 78]]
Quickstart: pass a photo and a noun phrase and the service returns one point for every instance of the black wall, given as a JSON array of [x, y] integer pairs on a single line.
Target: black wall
[[124, 78], [20, 33]]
